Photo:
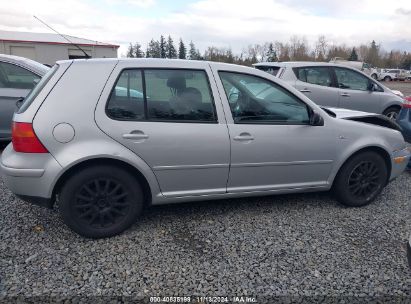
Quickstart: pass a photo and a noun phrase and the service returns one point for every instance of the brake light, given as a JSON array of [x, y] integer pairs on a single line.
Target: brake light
[[407, 102], [25, 140]]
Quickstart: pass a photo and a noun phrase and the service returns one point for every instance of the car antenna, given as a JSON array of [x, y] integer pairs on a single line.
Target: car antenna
[[76, 45]]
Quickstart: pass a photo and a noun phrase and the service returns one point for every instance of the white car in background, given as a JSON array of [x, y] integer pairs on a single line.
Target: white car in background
[[392, 74]]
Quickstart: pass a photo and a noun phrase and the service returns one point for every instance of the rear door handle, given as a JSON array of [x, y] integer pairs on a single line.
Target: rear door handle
[[244, 137], [305, 91], [135, 135], [345, 95]]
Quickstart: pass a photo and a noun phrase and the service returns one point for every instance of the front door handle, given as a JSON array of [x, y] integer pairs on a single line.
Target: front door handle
[[345, 95], [244, 137], [305, 91], [136, 134]]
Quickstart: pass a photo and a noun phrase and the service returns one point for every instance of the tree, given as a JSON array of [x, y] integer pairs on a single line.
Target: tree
[[321, 48], [138, 51], [130, 51], [271, 55], [153, 49], [163, 51], [406, 61], [182, 50], [373, 56], [170, 49], [353, 56], [193, 53]]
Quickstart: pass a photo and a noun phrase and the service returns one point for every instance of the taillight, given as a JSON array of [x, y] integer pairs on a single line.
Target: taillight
[[407, 102], [25, 140]]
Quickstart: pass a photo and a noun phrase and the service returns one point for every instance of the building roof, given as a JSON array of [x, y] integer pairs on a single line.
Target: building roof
[[49, 38]]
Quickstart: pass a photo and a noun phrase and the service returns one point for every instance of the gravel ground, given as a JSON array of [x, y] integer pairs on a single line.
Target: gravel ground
[[300, 246]]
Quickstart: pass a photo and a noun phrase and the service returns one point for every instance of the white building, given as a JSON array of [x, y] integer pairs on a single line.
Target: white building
[[47, 48]]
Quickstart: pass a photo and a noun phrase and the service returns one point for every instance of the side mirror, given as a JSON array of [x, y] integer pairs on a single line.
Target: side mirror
[[316, 119], [372, 87]]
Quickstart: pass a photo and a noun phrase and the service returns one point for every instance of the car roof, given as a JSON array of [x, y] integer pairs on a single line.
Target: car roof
[[158, 62], [34, 66], [301, 64]]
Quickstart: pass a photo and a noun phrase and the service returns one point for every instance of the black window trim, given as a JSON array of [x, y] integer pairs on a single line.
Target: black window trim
[[146, 116], [331, 73], [309, 109]]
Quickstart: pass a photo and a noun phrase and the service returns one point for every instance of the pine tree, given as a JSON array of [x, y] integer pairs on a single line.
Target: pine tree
[[130, 51], [138, 51], [153, 49], [182, 51], [229, 56], [271, 54], [193, 53], [353, 56], [170, 49], [162, 44], [373, 54]]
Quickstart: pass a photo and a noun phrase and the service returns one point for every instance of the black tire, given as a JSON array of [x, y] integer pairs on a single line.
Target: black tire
[[392, 112], [387, 78], [100, 201], [374, 76], [361, 179]]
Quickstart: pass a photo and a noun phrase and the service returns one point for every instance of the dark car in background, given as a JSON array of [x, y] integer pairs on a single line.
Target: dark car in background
[[18, 76]]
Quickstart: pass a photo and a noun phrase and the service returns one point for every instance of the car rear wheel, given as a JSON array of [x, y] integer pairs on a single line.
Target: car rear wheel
[[374, 76], [392, 112], [361, 179], [101, 201], [387, 78]]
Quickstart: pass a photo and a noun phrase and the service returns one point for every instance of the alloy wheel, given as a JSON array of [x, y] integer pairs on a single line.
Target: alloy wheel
[[392, 115], [363, 182], [101, 203]]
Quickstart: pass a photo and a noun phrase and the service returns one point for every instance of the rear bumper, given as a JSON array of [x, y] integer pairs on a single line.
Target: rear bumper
[[30, 176]]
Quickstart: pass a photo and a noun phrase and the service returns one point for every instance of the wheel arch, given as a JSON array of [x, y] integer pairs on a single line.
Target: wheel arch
[[147, 191], [381, 151]]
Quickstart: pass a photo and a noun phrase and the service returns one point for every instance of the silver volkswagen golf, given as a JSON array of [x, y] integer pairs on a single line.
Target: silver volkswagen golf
[[103, 138]]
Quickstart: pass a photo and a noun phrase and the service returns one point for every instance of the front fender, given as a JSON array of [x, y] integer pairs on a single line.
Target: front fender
[[352, 139]]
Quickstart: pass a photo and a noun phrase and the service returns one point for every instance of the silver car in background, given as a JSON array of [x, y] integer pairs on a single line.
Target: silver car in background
[[105, 137], [334, 85], [18, 76]]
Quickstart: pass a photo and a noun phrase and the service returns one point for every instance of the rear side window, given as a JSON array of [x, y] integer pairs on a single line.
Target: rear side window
[[15, 77], [37, 89], [162, 95], [127, 99], [314, 75]]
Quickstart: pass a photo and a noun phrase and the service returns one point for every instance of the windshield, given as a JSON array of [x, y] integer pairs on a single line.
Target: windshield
[[37, 89]]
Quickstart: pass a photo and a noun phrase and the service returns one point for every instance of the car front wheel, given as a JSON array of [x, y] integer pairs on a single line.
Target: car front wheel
[[100, 201], [361, 179], [392, 112]]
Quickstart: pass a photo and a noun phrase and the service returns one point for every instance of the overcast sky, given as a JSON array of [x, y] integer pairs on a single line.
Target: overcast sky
[[222, 23]]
